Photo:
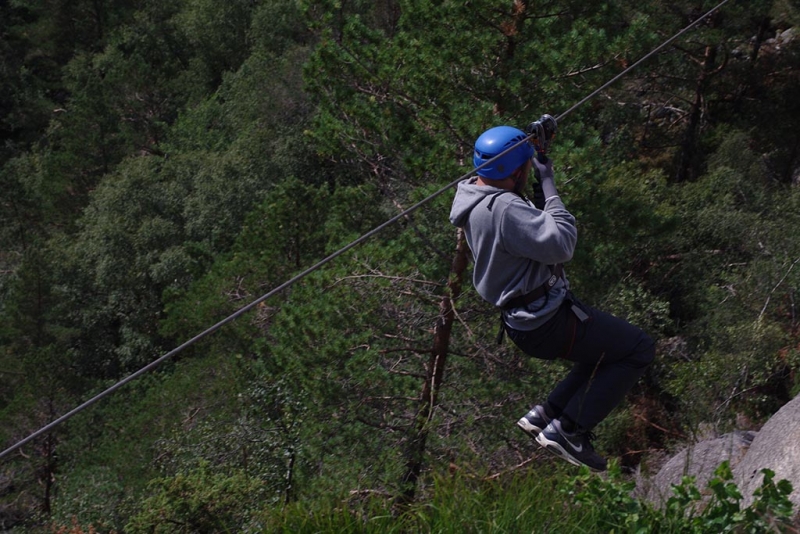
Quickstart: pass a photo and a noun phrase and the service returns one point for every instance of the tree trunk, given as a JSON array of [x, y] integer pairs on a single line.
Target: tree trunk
[[687, 165], [415, 450], [47, 473], [511, 30]]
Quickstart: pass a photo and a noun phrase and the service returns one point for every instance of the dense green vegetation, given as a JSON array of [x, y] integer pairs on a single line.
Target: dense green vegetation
[[162, 164]]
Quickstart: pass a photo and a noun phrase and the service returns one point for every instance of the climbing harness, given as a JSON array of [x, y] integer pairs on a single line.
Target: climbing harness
[[543, 291], [542, 137], [556, 272]]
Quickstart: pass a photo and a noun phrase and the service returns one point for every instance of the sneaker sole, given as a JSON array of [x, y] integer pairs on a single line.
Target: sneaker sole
[[532, 430], [556, 449]]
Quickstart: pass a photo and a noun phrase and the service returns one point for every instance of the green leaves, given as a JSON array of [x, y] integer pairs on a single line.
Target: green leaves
[[197, 501], [689, 510]]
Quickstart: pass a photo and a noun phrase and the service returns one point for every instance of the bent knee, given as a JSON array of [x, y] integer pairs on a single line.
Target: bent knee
[[645, 350]]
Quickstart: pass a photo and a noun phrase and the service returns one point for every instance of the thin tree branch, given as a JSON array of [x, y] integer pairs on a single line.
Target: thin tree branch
[[764, 309], [514, 468]]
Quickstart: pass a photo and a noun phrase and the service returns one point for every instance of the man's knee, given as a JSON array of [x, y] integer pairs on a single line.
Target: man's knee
[[645, 350]]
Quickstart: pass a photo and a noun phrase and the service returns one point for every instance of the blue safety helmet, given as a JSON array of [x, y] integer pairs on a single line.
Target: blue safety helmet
[[496, 140]]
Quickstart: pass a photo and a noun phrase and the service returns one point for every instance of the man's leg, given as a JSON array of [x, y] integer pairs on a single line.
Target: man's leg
[[610, 355]]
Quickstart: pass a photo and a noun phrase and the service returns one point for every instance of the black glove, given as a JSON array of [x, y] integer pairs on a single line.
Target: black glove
[[545, 179], [538, 194]]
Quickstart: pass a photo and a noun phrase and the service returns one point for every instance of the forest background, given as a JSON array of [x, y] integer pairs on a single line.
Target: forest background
[[164, 163]]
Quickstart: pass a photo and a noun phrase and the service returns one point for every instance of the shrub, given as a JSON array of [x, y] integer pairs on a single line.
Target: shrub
[[197, 501], [616, 510]]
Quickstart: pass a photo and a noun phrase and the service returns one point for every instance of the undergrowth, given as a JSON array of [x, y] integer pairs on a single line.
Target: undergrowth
[[578, 503], [560, 501]]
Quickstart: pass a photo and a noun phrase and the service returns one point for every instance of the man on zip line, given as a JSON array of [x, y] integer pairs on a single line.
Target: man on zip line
[[519, 248]]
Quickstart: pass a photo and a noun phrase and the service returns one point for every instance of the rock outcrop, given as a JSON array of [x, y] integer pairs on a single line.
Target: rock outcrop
[[700, 461], [775, 447]]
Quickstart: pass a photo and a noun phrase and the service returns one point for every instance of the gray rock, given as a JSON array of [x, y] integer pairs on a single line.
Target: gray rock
[[700, 461], [776, 447], [787, 36]]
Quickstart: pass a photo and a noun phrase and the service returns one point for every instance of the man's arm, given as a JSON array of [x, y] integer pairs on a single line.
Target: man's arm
[[545, 176]]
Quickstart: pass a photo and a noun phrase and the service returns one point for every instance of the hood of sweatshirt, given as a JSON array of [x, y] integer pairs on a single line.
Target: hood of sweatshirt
[[469, 195]]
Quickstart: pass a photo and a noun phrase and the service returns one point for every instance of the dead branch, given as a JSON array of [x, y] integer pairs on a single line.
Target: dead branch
[[387, 277], [764, 309], [517, 467], [657, 427]]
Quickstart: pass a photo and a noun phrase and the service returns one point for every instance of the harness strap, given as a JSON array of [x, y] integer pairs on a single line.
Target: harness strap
[[495, 195], [556, 272]]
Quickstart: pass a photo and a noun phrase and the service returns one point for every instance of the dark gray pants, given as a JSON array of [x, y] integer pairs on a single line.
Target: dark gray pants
[[609, 356]]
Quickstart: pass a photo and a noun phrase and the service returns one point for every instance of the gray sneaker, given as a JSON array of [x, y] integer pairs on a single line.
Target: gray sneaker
[[575, 448], [533, 422]]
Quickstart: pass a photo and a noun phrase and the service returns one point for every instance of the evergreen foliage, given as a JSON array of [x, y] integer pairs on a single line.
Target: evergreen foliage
[[163, 164]]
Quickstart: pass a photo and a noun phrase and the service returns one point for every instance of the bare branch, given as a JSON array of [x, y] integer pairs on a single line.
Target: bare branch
[[764, 309], [406, 349], [661, 428], [387, 277], [589, 69], [364, 492], [515, 468]]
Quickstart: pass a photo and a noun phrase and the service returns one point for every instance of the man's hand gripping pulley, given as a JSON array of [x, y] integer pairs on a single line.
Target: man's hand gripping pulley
[[541, 133]]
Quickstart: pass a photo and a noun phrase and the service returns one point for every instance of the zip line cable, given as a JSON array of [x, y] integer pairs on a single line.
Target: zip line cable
[[152, 365]]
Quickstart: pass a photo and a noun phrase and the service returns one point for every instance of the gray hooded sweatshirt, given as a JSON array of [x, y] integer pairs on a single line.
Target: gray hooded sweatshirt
[[513, 245]]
